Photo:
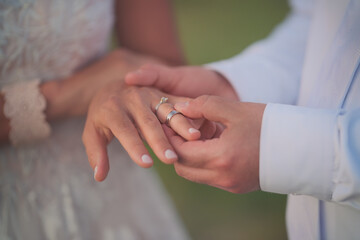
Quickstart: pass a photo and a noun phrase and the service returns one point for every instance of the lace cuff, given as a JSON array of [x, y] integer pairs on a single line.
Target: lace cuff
[[24, 107]]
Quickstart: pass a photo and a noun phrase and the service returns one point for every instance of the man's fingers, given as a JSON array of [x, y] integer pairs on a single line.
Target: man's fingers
[[159, 76], [209, 107], [95, 145], [193, 153], [142, 77], [204, 176], [124, 130], [208, 130]]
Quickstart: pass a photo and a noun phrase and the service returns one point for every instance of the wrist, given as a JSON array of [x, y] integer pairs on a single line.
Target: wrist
[[66, 98], [54, 104], [223, 87]]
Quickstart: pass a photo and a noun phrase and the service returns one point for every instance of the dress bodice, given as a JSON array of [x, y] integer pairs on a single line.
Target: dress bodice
[[49, 39], [46, 189]]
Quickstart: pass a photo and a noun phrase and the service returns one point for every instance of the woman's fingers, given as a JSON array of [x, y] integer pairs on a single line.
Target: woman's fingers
[[151, 130], [118, 123], [129, 138], [95, 145], [178, 122]]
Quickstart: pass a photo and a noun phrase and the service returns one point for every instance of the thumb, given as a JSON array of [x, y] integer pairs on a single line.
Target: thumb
[[158, 76], [212, 108]]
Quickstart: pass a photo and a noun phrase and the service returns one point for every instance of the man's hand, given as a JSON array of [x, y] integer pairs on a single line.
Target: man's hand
[[229, 161], [182, 81]]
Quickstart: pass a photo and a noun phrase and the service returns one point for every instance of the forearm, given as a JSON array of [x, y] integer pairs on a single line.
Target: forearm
[[270, 70], [148, 27], [67, 98], [71, 96]]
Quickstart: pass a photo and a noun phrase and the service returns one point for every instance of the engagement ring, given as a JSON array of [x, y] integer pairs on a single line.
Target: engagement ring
[[162, 100]]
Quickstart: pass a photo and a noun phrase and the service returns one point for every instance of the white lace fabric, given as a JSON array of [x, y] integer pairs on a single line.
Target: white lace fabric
[[47, 190], [26, 112], [47, 40], [50, 39]]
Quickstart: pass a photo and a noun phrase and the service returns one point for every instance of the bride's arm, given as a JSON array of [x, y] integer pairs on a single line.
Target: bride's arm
[[146, 27], [71, 96], [149, 27]]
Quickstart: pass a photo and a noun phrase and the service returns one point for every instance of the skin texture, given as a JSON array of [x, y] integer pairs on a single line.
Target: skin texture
[[133, 18], [81, 87], [229, 160], [227, 155], [148, 27], [128, 113], [188, 81]]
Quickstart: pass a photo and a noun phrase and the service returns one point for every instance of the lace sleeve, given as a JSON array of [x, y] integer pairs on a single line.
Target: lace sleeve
[[24, 107]]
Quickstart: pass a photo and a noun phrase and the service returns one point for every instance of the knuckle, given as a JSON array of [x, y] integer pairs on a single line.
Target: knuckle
[[135, 94], [229, 183], [224, 163], [203, 99], [179, 170], [207, 101], [150, 121], [112, 102], [148, 91], [123, 126], [211, 100]]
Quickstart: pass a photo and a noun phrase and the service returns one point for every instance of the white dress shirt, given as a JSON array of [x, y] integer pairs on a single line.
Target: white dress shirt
[[308, 71]]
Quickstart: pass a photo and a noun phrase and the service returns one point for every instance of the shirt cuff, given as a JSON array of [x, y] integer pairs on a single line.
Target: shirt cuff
[[297, 150], [257, 80]]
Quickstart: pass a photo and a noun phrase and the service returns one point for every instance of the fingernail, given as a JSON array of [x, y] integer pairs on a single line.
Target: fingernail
[[170, 154], [193, 130], [182, 105], [146, 159], [95, 171]]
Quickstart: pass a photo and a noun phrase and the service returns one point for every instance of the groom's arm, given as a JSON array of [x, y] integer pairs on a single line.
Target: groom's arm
[[149, 27], [270, 70]]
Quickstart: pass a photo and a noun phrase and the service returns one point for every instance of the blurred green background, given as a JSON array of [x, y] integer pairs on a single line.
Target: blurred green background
[[212, 30]]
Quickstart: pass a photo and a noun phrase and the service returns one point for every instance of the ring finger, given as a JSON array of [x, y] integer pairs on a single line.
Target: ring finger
[[178, 122]]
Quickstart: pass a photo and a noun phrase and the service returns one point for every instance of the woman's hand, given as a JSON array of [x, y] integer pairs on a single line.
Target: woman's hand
[[72, 96], [189, 81], [128, 113]]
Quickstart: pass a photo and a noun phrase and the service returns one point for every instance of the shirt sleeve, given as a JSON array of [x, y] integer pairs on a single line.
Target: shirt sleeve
[[313, 152], [270, 70]]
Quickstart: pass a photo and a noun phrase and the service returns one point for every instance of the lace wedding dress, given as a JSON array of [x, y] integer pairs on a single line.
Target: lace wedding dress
[[47, 189]]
